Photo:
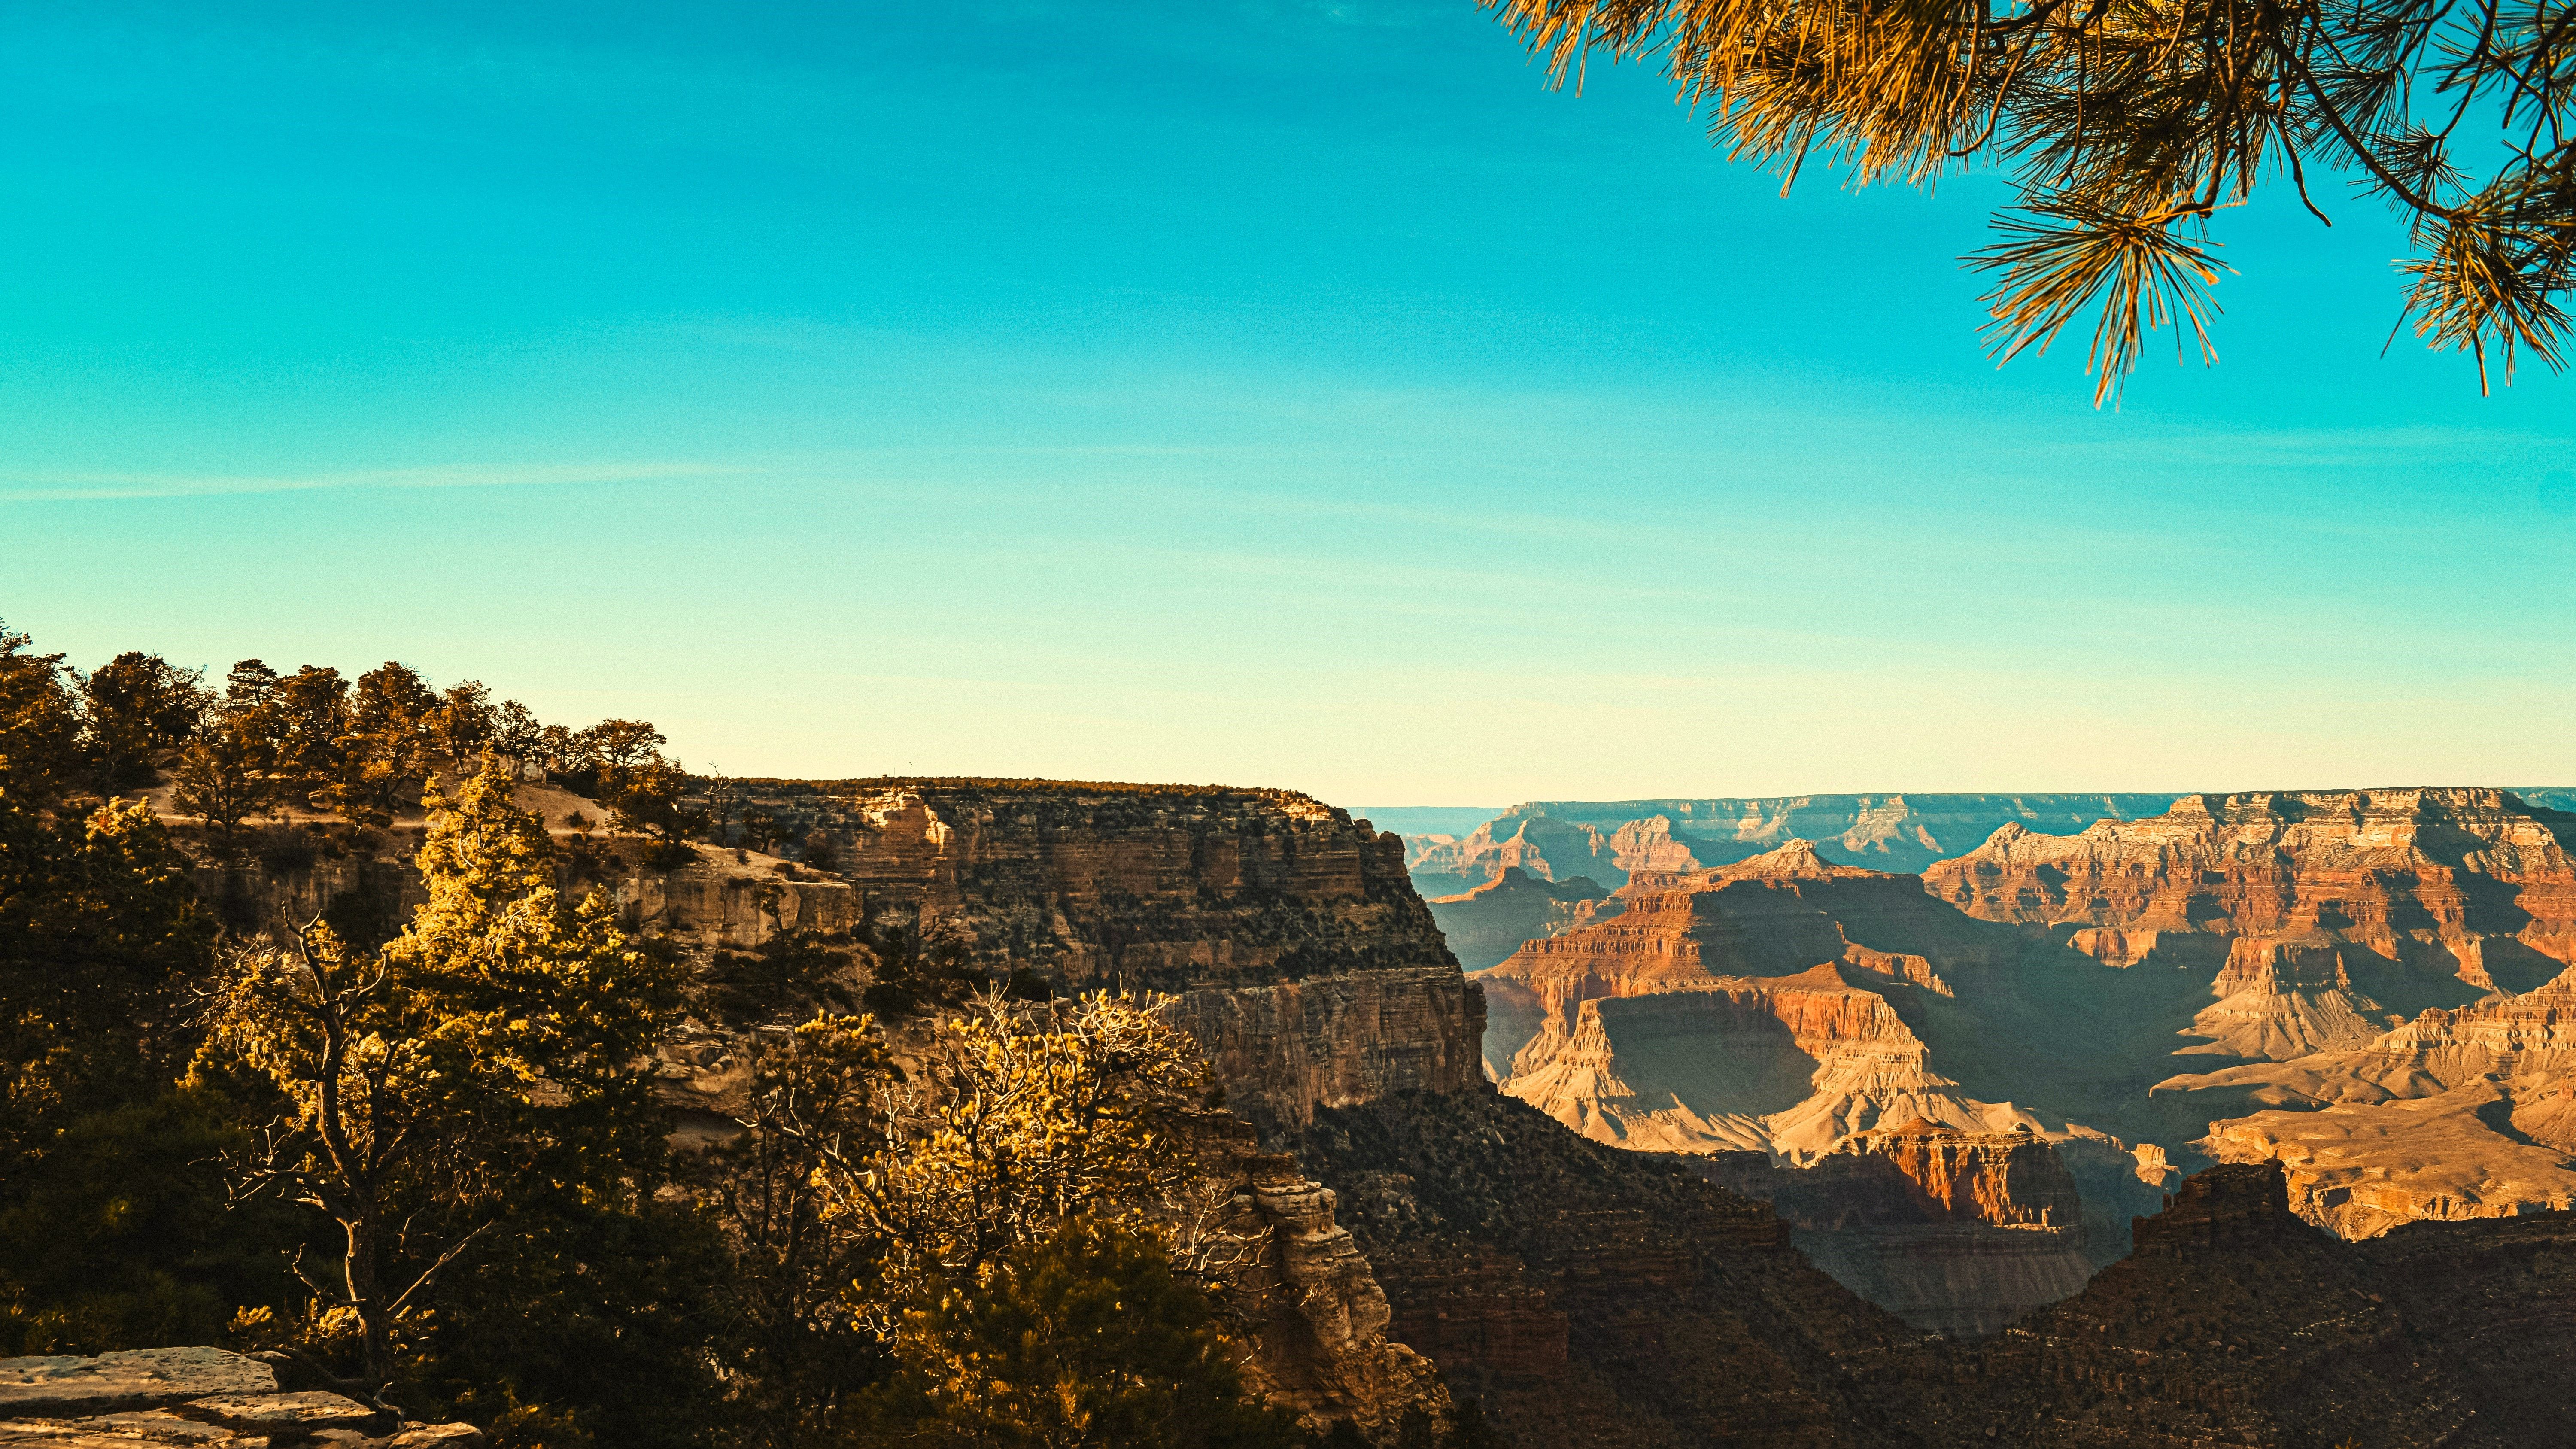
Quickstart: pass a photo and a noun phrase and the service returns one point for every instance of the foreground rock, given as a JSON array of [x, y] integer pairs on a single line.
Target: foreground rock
[[184, 1396]]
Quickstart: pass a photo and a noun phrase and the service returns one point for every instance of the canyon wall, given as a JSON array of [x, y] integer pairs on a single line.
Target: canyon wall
[[1955, 1233], [1486, 925], [2385, 1006], [1606, 840], [1300, 954], [1289, 936]]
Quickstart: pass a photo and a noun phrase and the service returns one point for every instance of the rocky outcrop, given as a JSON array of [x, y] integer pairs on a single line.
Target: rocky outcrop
[[1549, 849], [1320, 1345], [1303, 959], [1486, 925], [1587, 1296], [1955, 1233], [1288, 935], [194, 1396], [2237, 1323], [1772, 1004], [2403, 899], [2386, 1012]]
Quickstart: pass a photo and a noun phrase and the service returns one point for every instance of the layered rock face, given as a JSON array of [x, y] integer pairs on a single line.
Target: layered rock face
[[1790, 1007], [1785, 1003], [1955, 1233], [1486, 925], [1605, 840], [2388, 1012], [1591, 1297], [1551, 849], [1293, 943], [1303, 959]]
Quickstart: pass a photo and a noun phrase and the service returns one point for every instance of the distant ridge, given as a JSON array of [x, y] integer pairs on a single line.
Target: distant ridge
[[1606, 839]]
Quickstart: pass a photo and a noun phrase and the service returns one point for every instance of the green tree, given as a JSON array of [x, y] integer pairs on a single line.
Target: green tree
[[464, 720], [485, 1057], [391, 745], [760, 829], [1086, 1337], [792, 1343], [517, 737], [105, 1204], [137, 706], [651, 798], [1014, 1120], [249, 685], [40, 723], [222, 773], [2126, 126], [306, 715]]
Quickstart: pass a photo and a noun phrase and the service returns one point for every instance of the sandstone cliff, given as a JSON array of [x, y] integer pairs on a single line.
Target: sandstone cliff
[[1300, 956], [1956, 1233], [2384, 997], [1607, 839], [1486, 925], [1591, 1297], [1785, 1003]]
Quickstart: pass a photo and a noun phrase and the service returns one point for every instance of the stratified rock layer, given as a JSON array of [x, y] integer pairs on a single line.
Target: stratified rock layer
[[1956, 1233], [1607, 839], [1592, 1297], [1486, 925], [2387, 1012], [1303, 959]]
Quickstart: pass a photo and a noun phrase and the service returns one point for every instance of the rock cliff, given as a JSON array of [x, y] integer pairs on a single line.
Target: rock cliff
[[1605, 840], [1785, 1003], [2385, 1001], [1956, 1233], [1297, 950], [1486, 925], [1303, 959], [1591, 1297]]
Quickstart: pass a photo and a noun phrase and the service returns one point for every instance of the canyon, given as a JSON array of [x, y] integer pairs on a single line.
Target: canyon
[[2366, 986], [1606, 840], [2387, 1009], [1961, 1097]]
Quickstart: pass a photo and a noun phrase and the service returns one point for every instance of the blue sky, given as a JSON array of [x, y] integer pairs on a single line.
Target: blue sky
[[1273, 393]]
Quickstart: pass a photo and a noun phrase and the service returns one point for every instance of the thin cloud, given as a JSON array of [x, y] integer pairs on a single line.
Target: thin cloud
[[99, 487]]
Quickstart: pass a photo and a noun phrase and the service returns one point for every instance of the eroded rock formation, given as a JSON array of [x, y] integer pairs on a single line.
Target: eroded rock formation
[[1294, 945], [1605, 840], [1486, 925], [2385, 1007], [1956, 1233]]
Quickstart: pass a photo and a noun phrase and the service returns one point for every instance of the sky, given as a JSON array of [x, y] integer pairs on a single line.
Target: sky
[[1268, 393]]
